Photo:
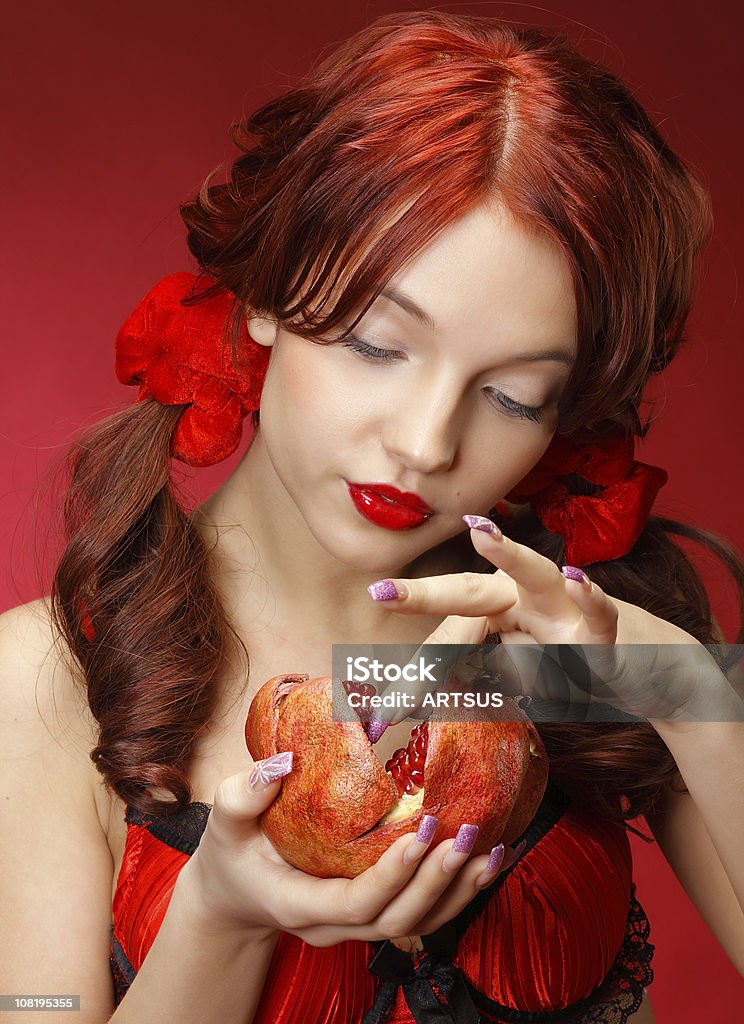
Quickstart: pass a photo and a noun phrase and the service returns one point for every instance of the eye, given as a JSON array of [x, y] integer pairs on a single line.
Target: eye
[[368, 351], [525, 412]]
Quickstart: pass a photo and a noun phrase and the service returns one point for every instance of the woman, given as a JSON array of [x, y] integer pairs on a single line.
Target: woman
[[459, 250]]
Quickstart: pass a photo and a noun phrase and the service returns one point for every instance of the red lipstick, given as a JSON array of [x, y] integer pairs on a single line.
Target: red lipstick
[[387, 506]]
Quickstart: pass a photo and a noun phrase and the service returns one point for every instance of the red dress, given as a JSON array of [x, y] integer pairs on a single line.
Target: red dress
[[560, 936]]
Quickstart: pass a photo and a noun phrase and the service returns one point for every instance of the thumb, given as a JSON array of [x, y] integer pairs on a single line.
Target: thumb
[[242, 797]]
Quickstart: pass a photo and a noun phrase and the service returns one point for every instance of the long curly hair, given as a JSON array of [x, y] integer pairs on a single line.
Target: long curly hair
[[339, 181]]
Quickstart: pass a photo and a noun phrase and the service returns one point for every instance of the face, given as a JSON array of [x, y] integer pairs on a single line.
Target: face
[[455, 405]]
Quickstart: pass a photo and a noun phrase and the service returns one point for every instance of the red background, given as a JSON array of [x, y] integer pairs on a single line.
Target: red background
[[115, 115]]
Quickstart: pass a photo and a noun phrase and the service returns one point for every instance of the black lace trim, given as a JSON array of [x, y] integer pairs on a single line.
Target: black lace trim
[[121, 970], [182, 830]]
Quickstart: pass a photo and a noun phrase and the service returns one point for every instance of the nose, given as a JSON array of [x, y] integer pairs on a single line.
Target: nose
[[423, 431]]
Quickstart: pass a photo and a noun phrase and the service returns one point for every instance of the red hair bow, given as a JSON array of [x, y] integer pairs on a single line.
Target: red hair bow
[[177, 355], [599, 527]]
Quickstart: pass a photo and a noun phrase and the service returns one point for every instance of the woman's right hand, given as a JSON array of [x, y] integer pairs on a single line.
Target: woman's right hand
[[240, 881]]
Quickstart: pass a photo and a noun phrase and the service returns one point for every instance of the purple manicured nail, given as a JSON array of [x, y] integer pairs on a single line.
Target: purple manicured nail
[[384, 590], [492, 868], [463, 844], [495, 859], [515, 854], [271, 769], [427, 828], [375, 728], [481, 523], [465, 839], [572, 573]]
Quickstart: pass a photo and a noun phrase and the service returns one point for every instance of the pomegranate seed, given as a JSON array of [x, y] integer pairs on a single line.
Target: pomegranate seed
[[406, 766]]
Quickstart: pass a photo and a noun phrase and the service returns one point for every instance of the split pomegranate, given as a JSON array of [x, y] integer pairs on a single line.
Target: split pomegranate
[[339, 809]]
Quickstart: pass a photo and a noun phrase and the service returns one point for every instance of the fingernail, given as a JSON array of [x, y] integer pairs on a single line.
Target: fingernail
[[463, 844], [270, 769], [481, 523], [386, 590], [375, 727], [493, 866], [426, 830], [514, 855], [572, 573]]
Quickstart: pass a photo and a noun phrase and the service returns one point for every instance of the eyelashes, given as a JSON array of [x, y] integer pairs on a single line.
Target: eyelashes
[[526, 412], [371, 351]]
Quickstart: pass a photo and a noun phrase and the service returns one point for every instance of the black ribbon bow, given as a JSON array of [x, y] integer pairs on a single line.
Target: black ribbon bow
[[416, 978]]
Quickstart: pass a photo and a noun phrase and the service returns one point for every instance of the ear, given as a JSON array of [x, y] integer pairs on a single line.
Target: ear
[[262, 329]]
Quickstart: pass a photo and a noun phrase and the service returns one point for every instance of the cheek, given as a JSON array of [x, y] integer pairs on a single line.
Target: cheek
[[302, 403], [497, 463]]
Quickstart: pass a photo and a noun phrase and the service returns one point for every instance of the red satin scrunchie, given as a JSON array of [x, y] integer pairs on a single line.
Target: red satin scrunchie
[[177, 355], [599, 527]]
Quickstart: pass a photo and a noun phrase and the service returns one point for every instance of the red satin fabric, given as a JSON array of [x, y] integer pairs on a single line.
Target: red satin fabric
[[176, 354], [546, 939]]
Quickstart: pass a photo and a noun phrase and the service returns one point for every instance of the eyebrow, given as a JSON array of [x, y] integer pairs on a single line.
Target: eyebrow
[[406, 303]]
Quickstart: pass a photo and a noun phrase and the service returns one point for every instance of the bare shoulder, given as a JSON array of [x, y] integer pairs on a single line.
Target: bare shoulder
[[44, 713], [42, 692]]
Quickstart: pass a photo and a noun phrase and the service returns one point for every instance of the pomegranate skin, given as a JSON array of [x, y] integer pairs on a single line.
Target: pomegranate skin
[[325, 819]]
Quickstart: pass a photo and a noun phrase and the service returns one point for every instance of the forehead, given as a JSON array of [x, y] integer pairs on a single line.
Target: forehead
[[486, 270]]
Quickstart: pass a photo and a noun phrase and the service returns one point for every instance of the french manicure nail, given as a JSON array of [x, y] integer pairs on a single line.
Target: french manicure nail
[[463, 844], [386, 590], [482, 523], [465, 838], [426, 830], [493, 866], [572, 573], [271, 769]]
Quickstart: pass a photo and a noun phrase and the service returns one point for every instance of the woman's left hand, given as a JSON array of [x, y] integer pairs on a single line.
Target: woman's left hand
[[634, 661]]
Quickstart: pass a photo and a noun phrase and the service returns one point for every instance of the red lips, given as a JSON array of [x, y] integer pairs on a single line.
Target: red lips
[[388, 507], [407, 498]]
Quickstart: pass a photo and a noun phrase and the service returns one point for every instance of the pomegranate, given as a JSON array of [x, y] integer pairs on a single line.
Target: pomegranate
[[339, 809]]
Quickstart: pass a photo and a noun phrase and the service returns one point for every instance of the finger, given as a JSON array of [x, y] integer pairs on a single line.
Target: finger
[[240, 799], [599, 612], [461, 593], [530, 570], [366, 896], [303, 901], [522, 575], [439, 872]]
